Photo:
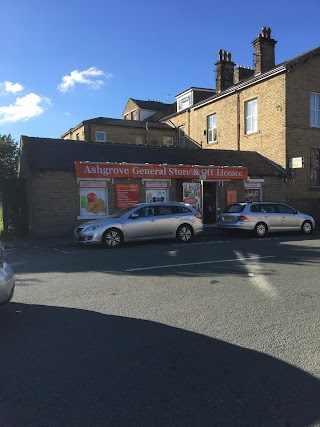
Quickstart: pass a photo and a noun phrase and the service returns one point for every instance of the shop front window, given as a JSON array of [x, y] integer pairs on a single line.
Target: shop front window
[[93, 199], [252, 195]]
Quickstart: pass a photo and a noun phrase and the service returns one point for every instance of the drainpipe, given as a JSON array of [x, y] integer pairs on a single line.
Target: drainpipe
[[238, 121]]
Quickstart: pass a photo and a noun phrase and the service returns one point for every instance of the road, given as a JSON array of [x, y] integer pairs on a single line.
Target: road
[[220, 332]]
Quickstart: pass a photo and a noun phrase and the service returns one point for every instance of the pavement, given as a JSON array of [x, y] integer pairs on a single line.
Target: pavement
[[210, 231]]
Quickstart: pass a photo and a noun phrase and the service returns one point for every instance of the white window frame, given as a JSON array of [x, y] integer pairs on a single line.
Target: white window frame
[[315, 109], [251, 115], [182, 136], [168, 140], [100, 136], [212, 129]]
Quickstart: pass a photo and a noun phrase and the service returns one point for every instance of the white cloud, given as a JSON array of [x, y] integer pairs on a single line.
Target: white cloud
[[9, 87], [87, 77], [23, 109]]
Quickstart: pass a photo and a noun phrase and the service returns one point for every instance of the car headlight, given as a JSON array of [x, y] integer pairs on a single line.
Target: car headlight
[[93, 227]]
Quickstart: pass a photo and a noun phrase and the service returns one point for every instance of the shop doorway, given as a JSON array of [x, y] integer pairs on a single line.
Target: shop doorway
[[209, 202]]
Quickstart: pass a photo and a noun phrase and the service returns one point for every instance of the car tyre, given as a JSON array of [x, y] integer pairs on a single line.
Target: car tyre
[[306, 227], [184, 233], [112, 238], [261, 229]]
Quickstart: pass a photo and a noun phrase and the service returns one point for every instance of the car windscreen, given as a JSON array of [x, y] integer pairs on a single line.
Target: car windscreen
[[236, 208]]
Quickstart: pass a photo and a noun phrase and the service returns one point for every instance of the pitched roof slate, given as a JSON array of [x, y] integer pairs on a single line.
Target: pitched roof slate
[[60, 155]]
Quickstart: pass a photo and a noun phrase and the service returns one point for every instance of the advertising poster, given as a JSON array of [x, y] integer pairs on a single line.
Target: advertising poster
[[126, 195], [93, 202], [192, 194], [154, 195], [252, 195], [231, 197]]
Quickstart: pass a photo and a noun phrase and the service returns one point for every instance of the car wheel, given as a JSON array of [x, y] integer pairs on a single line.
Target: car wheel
[[184, 233], [306, 227], [112, 238], [261, 229]]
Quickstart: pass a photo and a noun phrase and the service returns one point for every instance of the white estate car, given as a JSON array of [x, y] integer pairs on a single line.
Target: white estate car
[[145, 221], [6, 279], [264, 217]]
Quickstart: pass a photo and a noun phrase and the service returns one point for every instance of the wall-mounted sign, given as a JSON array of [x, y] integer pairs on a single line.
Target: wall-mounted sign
[[157, 184], [115, 170], [93, 184], [296, 163], [126, 195]]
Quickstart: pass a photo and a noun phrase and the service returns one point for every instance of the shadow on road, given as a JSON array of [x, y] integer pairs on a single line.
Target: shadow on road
[[62, 366]]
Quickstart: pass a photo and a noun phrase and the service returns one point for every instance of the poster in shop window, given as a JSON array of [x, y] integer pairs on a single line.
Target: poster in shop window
[[126, 195], [192, 194], [93, 202], [231, 197], [154, 195]]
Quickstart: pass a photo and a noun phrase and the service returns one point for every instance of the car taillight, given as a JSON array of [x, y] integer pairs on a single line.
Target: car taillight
[[243, 218], [198, 215]]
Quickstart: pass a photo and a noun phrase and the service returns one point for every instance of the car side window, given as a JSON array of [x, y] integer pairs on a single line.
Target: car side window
[[145, 212], [285, 209], [255, 208], [181, 209], [269, 208], [165, 210]]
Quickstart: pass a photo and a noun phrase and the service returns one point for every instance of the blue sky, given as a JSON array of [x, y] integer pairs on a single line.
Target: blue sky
[[65, 62]]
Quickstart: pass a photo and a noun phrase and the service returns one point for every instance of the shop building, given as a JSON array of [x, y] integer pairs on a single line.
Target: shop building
[[69, 182]]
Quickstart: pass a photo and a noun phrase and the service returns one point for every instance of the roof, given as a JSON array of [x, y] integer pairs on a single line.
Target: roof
[[286, 66], [127, 123], [60, 155], [121, 123], [151, 105]]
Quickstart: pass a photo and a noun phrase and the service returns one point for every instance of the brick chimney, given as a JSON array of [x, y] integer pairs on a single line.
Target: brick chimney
[[241, 73], [224, 71], [264, 58]]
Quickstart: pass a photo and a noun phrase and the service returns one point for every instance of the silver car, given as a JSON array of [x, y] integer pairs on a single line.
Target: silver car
[[264, 217], [145, 221], [6, 279]]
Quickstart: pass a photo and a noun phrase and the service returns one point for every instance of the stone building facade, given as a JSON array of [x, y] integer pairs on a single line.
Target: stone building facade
[[271, 109]]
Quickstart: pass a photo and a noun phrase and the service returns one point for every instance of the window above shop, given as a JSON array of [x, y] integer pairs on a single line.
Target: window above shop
[[251, 116], [184, 100], [315, 109], [134, 115], [101, 136], [315, 167], [182, 136], [168, 140], [212, 129]]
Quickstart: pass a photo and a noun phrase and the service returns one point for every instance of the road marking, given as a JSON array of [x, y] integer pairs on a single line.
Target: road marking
[[197, 263], [214, 242], [257, 279]]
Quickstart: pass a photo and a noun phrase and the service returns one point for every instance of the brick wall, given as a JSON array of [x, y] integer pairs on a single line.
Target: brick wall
[[270, 138]]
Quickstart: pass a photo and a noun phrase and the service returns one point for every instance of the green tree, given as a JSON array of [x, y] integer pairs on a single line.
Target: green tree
[[8, 156]]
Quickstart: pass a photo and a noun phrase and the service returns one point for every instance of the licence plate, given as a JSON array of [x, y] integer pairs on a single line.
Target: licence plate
[[228, 218]]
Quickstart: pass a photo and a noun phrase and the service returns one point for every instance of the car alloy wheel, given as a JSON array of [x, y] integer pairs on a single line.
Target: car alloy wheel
[[184, 233], [261, 229], [306, 227], [112, 238]]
